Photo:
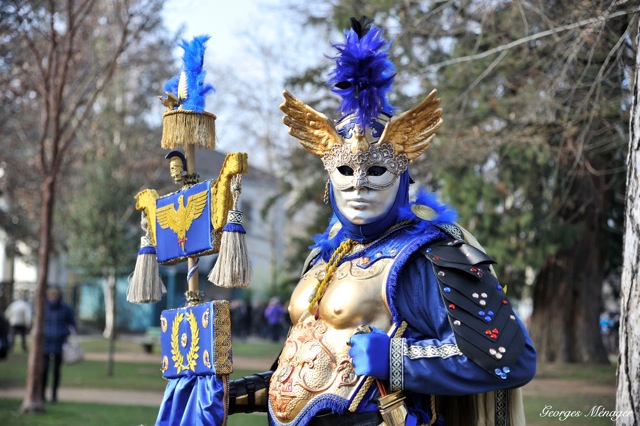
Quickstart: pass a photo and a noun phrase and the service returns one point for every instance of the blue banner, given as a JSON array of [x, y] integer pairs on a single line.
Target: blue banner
[[183, 224]]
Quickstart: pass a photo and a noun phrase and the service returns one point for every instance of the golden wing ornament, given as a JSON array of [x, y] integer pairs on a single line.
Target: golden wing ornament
[[195, 206], [146, 201], [411, 132], [313, 129]]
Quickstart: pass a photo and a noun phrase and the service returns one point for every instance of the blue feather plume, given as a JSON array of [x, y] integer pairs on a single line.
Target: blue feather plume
[[194, 74], [363, 74]]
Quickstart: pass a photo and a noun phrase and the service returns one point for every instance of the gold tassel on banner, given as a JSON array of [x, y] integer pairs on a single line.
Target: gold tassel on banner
[[145, 285], [232, 268], [183, 127]]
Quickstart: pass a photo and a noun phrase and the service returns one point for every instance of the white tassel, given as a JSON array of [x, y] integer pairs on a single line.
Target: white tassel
[[232, 267], [145, 284]]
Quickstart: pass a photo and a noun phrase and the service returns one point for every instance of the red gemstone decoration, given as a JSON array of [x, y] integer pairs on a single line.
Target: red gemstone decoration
[[487, 332], [494, 336], [495, 330], [452, 306], [473, 269], [436, 258], [504, 301]]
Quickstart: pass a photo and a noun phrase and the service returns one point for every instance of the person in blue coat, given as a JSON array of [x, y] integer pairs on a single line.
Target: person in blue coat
[[59, 323]]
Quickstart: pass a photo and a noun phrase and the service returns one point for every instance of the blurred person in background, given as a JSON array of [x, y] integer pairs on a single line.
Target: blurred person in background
[[18, 314], [59, 324], [274, 313]]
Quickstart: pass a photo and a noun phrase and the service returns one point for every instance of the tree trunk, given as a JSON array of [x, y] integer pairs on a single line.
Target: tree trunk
[[33, 401], [109, 304], [567, 296], [111, 321], [628, 393]]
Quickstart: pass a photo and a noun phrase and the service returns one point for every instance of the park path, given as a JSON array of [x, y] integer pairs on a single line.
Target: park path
[[153, 399], [123, 396]]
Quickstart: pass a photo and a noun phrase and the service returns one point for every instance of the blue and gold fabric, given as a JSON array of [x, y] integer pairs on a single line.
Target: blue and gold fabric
[[183, 224], [196, 359]]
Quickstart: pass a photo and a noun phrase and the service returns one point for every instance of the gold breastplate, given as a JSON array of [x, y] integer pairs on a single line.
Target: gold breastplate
[[315, 365]]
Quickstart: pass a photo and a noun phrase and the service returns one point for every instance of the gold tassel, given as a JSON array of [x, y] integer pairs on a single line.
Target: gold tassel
[[232, 268], [183, 127], [145, 285]]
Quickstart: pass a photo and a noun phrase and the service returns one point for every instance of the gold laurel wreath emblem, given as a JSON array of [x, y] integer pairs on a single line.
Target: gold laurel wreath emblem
[[192, 355]]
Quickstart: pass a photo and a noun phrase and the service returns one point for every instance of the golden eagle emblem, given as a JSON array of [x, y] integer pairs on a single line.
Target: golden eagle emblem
[[180, 220]]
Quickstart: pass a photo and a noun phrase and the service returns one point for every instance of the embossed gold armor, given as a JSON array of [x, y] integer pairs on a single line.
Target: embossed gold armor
[[315, 361]]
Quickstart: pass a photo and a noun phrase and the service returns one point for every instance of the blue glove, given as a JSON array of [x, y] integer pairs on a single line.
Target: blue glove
[[370, 353]]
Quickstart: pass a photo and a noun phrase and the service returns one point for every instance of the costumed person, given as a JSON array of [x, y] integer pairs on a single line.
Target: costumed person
[[397, 316], [59, 322], [18, 313]]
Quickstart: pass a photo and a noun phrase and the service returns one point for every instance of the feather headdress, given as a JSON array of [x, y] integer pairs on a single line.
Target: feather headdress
[[363, 77], [364, 74], [186, 122], [189, 86]]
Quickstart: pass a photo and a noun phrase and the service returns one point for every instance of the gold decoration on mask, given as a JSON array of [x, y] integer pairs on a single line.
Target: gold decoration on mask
[[192, 355], [313, 129], [409, 133]]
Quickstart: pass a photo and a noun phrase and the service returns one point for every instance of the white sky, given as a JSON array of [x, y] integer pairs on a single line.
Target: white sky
[[223, 20], [254, 46]]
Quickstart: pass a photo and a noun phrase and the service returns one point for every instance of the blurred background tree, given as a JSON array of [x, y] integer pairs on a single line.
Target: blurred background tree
[[58, 58]]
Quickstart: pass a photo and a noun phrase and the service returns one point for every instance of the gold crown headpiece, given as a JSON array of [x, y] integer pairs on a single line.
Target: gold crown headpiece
[[391, 141]]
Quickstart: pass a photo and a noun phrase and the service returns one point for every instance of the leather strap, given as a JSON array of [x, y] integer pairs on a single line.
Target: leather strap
[[248, 394]]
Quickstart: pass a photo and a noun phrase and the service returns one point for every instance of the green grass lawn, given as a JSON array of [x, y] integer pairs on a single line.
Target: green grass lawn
[[72, 414], [89, 374], [560, 389], [564, 387]]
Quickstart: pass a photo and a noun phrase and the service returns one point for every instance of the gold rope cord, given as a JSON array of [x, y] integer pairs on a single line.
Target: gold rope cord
[[433, 410], [321, 287], [343, 249]]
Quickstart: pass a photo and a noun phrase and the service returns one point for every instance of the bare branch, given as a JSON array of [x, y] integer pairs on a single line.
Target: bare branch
[[528, 39]]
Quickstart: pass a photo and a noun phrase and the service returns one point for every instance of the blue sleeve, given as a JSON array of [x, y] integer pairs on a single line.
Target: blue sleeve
[[427, 359]]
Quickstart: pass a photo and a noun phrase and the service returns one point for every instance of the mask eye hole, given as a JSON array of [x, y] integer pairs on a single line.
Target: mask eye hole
[[376, 171], [345, 170]]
